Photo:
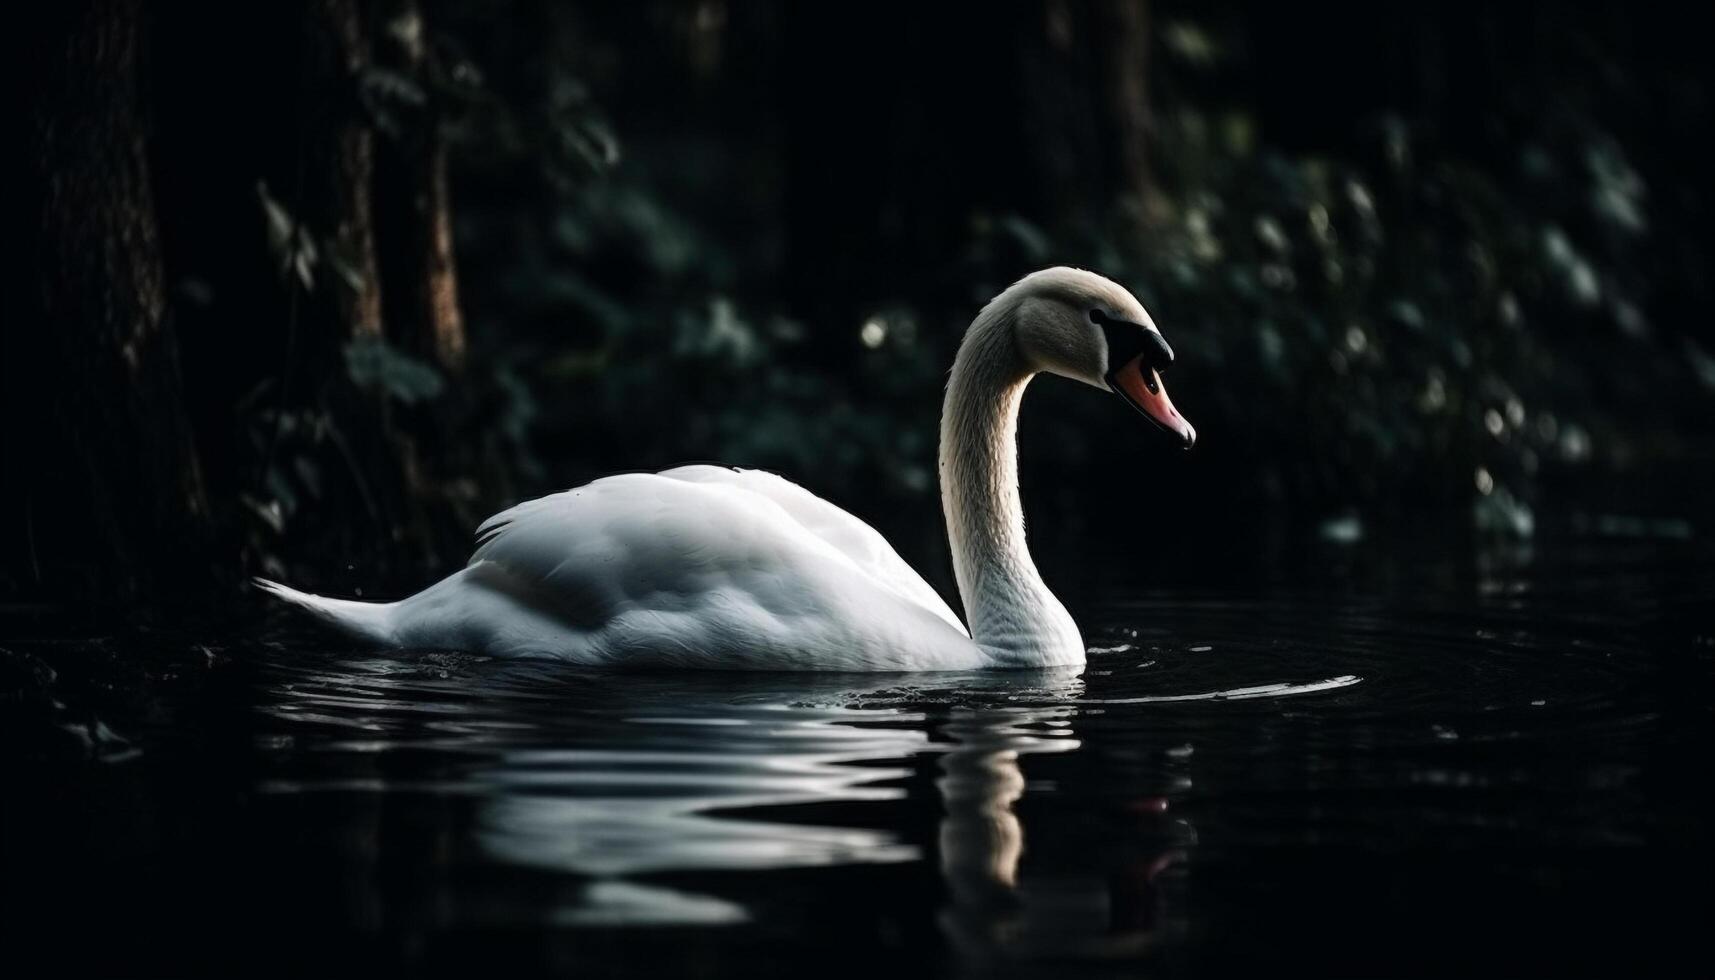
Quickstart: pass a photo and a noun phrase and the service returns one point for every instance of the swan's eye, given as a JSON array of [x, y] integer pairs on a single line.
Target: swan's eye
[[1098, 318]]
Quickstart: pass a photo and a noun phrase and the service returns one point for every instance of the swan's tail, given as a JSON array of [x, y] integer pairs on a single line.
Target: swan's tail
[[367, 620]]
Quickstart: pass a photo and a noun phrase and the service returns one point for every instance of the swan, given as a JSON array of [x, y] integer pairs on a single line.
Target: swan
[[722, 568]]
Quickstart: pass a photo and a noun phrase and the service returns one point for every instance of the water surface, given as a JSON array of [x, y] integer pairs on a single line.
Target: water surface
[[1365, 764]]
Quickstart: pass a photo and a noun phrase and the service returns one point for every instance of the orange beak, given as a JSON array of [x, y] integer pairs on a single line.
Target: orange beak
[[1141, 387]]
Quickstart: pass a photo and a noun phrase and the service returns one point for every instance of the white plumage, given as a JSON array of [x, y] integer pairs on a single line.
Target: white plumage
[[721, 568], [660, 569]]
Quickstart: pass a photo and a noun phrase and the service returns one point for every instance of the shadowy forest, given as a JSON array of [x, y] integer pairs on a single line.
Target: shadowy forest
[[307, 289]]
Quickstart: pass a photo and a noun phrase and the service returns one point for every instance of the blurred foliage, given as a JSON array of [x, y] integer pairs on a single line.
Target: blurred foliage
[[373, 364], [1394, 318]]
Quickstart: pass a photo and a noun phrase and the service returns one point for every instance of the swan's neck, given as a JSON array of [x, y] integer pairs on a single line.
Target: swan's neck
[[1012, 614]]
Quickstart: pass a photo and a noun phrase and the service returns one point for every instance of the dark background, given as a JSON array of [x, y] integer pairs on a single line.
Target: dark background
[[308, 289]]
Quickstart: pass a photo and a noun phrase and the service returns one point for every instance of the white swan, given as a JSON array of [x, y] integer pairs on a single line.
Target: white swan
[[710, 567]]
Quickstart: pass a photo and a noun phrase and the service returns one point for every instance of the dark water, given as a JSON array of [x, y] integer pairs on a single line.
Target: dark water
[[1367, 761]]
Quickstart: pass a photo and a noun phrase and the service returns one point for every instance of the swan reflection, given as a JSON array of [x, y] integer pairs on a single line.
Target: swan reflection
[[614, 782], [997, 910], [699, 783], [981, 837], [619, 812]]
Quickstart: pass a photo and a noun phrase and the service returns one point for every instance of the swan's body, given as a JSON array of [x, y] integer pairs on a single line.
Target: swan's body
[[661, 569], [718, 568]]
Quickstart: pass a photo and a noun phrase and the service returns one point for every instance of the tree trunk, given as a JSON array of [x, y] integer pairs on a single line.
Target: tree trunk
[[340, 160], [417, 247], [1125, 27], [1087, 101], [99, 448], [285, 117]]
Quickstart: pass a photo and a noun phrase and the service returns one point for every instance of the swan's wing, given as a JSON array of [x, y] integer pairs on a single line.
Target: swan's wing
[[643, 540], [850, 535]]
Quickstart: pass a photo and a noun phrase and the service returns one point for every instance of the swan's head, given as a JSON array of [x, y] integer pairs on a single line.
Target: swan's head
[[1086, 327]]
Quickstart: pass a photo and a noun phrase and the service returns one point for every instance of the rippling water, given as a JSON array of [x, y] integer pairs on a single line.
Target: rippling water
[[1364, 769]]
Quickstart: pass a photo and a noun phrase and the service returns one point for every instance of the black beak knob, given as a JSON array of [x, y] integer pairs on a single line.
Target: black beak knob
[[1156, 353]]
